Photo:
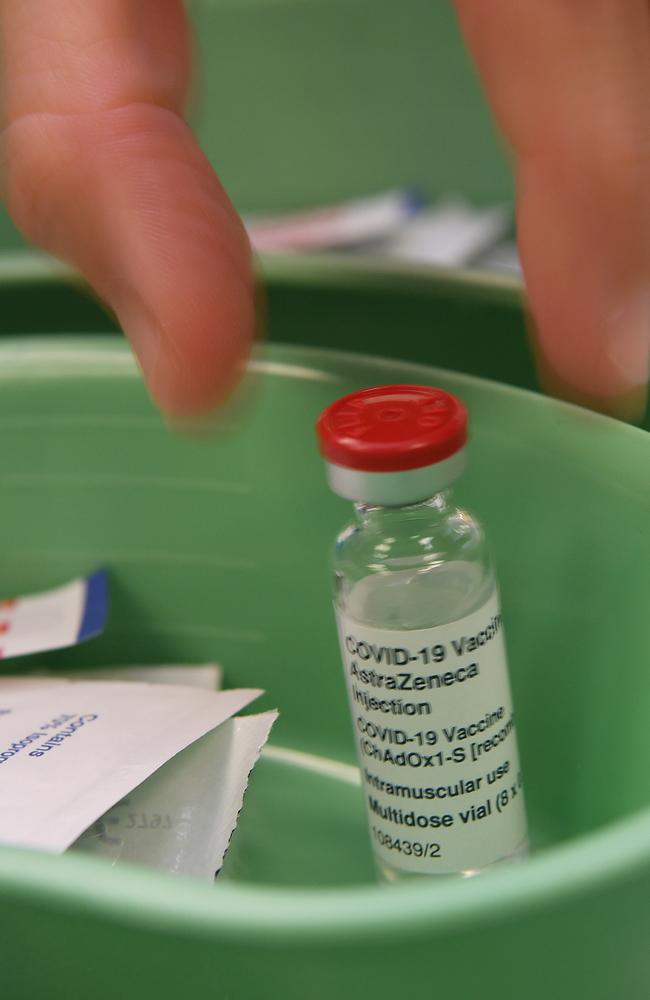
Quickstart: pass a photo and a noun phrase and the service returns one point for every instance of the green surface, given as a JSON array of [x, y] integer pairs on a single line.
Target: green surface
[[218, 550], [303, 101]]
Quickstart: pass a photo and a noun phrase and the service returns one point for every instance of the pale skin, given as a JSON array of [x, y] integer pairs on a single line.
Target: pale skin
[[100, 168]]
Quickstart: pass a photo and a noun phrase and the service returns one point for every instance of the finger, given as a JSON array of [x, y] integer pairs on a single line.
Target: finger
[[569, 82], [101, 169]]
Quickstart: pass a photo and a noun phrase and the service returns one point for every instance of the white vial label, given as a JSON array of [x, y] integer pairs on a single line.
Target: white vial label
[[435, 734]]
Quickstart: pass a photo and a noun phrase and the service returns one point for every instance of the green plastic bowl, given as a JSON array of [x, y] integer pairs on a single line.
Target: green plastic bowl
[[219, 549]]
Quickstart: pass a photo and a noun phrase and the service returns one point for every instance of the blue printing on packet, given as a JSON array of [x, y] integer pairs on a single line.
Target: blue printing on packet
[[414, 200], [95, 610]]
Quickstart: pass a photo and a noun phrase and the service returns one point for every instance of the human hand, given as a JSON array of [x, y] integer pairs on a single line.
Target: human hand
[[101, 170], [569, 84]]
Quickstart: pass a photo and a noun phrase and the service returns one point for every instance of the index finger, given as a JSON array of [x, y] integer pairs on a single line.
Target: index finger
[[101, 169]]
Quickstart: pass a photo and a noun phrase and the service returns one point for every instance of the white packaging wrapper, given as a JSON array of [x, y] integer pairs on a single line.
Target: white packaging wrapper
[[53, 619], [181, 819], [71, 750], [350, 223], [197, 675], [451, 233]]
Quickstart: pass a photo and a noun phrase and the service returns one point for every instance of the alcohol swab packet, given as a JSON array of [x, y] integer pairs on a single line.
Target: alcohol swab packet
[[181, 819], [450, 233], [201, 675], [55, 618], [338, 226], [70, 750]]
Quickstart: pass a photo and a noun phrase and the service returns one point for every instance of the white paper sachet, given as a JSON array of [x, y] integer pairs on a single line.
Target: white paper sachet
[[70, 750], [197, 675], [54, 618], [450, 233], [181, 819]]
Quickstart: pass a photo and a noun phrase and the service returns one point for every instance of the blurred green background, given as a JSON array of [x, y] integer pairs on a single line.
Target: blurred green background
[[311, 100]]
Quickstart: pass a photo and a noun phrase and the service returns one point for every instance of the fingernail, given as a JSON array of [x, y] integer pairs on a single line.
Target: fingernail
[[628, 339], [608, 372], [629, 405]]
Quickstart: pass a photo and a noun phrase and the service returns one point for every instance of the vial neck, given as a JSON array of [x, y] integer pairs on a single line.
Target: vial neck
[[438, 505]]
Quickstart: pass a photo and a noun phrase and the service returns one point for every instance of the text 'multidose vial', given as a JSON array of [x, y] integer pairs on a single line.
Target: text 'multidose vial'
[[421, 632]]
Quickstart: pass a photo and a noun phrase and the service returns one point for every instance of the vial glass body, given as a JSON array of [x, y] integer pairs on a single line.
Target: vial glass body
[[412, 567], [417, 607]]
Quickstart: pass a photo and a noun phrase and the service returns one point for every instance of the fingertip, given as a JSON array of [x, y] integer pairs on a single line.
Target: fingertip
[[192, 367], [623, 399], [629, 405]]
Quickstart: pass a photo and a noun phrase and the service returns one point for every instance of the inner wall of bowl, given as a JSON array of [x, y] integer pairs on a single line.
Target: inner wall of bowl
[[218, 549]]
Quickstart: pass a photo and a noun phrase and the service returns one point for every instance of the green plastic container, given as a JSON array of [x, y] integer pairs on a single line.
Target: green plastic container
[[219, 550]]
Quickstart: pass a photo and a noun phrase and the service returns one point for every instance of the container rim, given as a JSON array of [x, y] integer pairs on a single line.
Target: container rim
[[328, 270], [242, 913]]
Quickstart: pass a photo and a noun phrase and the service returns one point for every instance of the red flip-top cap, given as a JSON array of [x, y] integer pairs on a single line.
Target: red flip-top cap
[[392, 428]]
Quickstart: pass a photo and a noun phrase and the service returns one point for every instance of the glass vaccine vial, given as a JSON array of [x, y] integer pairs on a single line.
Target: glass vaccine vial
[[421, 634]]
